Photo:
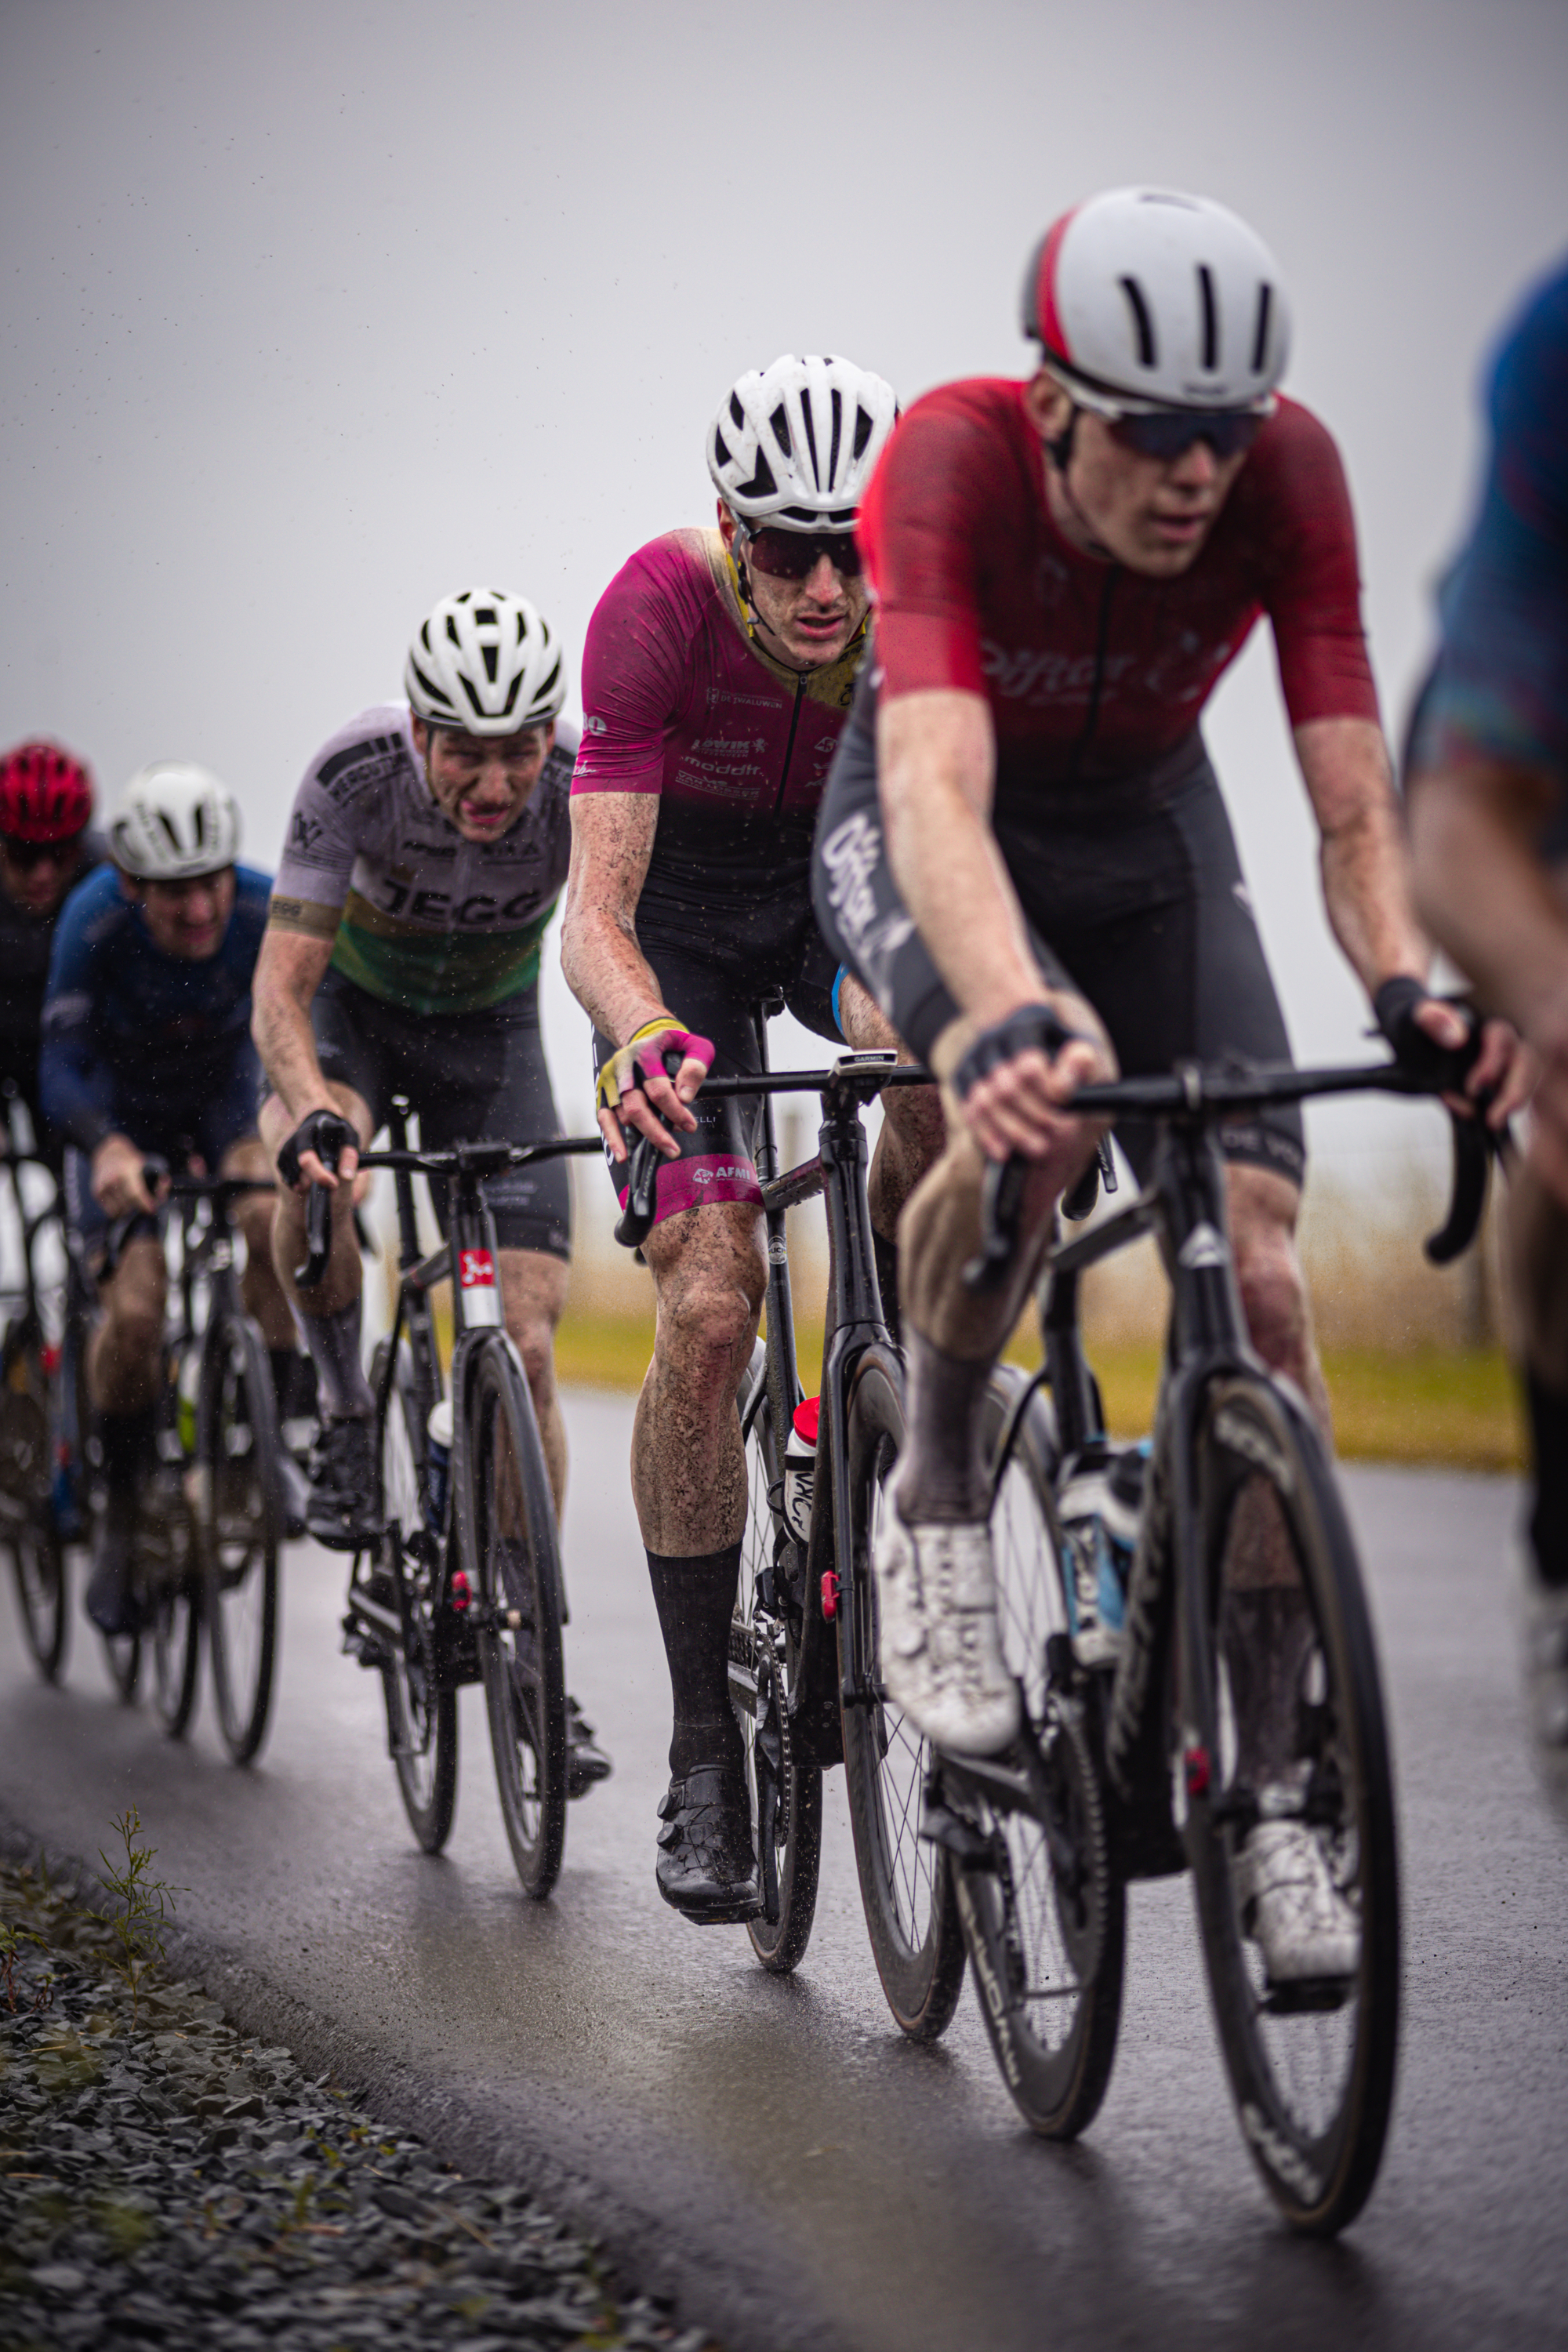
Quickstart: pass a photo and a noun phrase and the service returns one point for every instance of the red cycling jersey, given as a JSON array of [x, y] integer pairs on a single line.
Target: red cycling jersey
[[1093, 672]]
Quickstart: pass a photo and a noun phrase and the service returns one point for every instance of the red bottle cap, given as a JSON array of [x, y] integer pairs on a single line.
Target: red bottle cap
[[805, 1420]]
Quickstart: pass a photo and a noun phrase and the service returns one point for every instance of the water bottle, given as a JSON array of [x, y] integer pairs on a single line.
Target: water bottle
[[800, 1469], [187, 1381], [437, 1463], [1099, 1505]]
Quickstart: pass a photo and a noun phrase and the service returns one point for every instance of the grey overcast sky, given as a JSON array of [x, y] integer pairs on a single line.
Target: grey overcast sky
[[316, 312]]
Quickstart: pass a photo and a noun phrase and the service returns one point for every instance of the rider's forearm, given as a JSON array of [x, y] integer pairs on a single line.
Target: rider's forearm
[[935, 763], [1366, 859], [607, 971], [286, 1042]]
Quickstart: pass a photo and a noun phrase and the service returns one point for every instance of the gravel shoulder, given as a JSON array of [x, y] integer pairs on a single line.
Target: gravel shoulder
[[165, 2179]]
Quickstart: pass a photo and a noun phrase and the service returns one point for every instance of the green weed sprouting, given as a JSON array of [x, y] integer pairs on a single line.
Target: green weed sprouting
[[11, 1942], [145, 1903]]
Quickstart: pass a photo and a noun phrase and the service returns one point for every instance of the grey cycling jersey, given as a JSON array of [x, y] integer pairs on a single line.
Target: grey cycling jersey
[[417, 915]]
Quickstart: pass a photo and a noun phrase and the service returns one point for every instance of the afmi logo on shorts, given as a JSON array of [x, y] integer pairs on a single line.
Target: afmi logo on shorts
[[737, 1173]]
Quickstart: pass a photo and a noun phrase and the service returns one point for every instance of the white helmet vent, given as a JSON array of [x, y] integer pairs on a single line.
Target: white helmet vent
[[795, 443], [485, 662]]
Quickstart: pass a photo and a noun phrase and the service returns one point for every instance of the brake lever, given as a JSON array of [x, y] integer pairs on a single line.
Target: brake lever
[[636, 1218], [1475, 1148], [317, 1238], [1000, 1213]]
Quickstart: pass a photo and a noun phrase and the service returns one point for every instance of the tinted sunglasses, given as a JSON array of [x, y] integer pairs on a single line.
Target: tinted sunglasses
[[26, 855], [1169, 433], [794, 555]]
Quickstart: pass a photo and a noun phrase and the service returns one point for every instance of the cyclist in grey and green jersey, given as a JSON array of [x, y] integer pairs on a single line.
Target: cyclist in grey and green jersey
[[426, 847]]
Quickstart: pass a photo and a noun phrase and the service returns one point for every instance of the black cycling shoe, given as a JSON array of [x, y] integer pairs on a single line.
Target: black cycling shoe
[[706, 1867], [342, 1487], [112, 1600], [586, 1761]]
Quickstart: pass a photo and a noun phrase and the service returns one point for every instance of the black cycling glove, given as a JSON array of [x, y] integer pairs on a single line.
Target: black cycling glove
[[325, 1133], [1031, 1025], [1396, 1003]]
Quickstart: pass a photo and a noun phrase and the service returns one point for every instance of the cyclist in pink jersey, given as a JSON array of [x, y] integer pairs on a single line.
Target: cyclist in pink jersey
[[717, 674], [1024, 854]]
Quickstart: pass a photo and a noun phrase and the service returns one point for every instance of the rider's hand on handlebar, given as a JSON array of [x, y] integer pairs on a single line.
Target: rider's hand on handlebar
[[637, 1090], [1016, 1103], [118, 1184], [1504, 1072], [323, 1149]]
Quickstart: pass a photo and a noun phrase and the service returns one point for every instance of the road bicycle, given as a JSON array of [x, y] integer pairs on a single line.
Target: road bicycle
[[29, 1354], [211, 1511], [1137, 1770], [463, 1583], [805, 1676]]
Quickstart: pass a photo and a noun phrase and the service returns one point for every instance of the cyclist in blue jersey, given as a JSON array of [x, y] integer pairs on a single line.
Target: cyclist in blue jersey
[[1487, 786], [146, 1049]]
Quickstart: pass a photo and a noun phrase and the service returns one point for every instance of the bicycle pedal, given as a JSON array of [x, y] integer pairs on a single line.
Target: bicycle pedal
[[940, 1825], [359, 1643]]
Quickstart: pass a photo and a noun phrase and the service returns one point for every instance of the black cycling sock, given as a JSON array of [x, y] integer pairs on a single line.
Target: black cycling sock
[[1267, 1634], [1549, 1511], [125, 1441], [695, 1597], [885, 1257], [333, 1342], [942, 1470]]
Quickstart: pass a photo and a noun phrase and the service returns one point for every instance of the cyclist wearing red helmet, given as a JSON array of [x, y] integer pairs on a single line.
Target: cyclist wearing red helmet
[[1025, 853], [46, 848]]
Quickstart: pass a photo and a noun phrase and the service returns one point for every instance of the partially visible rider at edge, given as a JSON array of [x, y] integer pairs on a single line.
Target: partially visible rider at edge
[[1486, 781], [717, 674], [146, 1049], [47, 847], [426, 848], [1063, 568]]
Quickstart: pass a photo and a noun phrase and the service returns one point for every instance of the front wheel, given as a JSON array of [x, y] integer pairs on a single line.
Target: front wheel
[[906, 1884], [28, 1528], [1042, 1906], [421, 1707], [238, 1503], [786, 1791], [1302, 1752], [514, 1550]]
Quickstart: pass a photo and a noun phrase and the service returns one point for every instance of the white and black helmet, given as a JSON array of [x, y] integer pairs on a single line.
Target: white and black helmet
[[173, 822], [795, 444], [1161, 301], [486, 662]]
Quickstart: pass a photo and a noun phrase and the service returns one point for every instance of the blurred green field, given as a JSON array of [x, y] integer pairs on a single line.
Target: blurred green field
[[1453, 1408]]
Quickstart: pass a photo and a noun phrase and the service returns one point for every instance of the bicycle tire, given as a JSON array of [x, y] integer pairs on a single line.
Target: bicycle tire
[[239, 1524], [421, 1710], [1312, 2081], [906, 1881], [785, 1794], [514, 1553], [1047, 1938], [171, 1628], [124, 1653], [27, 1526]]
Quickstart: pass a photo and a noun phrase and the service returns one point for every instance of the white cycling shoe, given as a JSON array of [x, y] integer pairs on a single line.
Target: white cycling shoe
[[941, 1660], [1290, 1907]]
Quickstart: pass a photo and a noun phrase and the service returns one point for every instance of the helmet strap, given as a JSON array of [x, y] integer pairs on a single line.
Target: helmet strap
[[1059, 451]]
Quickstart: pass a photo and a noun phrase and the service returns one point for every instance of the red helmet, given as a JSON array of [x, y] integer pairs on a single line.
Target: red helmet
[[45, 793]]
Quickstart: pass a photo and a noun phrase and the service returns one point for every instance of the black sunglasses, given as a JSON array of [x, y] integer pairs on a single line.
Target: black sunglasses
[[26, 855], [796, 554], [1171, 432]]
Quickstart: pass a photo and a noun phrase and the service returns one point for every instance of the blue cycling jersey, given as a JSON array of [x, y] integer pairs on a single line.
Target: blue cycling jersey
[[137, 1042], [1499, 689]]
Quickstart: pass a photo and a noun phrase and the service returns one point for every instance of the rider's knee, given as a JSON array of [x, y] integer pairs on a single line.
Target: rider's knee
[[709, 1323], [535, 1343], [1269, 1279]]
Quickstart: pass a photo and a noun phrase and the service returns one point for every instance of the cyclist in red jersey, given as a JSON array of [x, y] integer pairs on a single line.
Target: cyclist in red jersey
[[1063, 569], [717, 674]]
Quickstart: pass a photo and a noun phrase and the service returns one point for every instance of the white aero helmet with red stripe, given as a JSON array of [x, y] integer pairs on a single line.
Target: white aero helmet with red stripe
[[795, 444], [1161, 301]]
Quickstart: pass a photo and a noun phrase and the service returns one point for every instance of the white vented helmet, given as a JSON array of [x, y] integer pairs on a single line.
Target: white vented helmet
[[794, 443], [173, 822], [1161, 299], [486, 662]]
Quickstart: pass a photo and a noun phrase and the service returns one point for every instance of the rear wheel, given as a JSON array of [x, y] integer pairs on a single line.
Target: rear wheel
[[765, 1657], [172, 1603], [27, 1530], [421, 1710], [1312, 2063], [906, 1884], [238, 1512], [1046, 1928], [515, 1553]]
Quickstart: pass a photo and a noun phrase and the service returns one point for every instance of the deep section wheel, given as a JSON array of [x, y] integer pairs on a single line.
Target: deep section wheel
[[1043, 1912], [1302, 1741], [764, 1656], [514, 1550], [906, 1886], [421, 1707], [27, 1530], [170, 1575], [238, 1513]]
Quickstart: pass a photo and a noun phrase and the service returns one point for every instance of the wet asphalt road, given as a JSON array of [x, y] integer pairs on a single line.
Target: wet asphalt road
[[772, 2150]]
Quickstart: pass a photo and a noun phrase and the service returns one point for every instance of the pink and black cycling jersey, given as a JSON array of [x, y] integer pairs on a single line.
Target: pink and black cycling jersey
[[681, 703]]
